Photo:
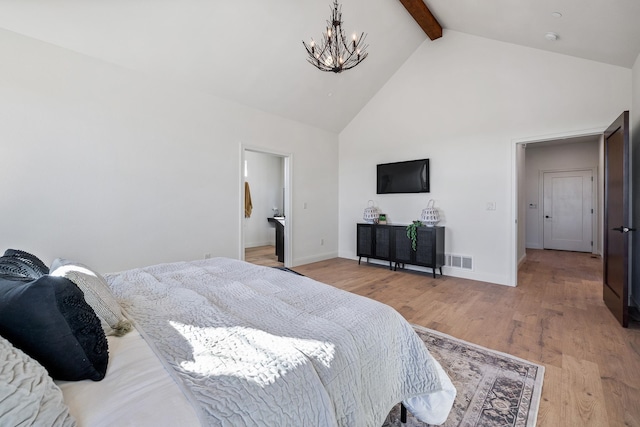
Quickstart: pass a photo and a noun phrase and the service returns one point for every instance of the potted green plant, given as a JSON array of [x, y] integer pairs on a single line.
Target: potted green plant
[[412, 233]]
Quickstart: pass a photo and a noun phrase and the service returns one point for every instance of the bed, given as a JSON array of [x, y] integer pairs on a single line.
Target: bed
[[222, 342]]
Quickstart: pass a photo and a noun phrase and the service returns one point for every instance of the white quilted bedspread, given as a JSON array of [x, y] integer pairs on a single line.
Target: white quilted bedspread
[[256, 346]]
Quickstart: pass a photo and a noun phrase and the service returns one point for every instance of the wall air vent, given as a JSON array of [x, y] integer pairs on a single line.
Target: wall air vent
[[463, 262]]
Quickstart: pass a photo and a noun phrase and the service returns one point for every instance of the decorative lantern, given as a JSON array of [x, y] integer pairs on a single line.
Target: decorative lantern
[[430, 215], [371, 213]]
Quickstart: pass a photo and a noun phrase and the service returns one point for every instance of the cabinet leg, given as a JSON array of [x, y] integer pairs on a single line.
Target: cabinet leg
[[403, 413], [359, 258], [440, 271]]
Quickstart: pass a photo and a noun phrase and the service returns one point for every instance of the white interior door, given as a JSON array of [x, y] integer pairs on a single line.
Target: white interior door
[[568, 210]]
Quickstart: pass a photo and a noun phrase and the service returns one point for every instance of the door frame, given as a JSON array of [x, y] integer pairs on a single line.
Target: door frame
[[594, 203], [288, 167], [516, 144]]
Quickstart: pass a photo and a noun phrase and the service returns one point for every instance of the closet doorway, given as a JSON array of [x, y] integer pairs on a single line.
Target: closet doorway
[[265, 236]]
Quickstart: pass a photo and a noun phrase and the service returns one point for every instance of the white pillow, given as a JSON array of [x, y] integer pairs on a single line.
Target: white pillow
[[28, 395], [97, 294]]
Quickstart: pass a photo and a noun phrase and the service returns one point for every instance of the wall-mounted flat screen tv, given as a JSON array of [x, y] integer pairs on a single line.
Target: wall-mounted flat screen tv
[[403, 177]]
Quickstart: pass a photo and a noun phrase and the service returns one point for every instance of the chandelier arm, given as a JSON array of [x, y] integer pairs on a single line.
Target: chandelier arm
[[325, 55], [318, 52], [307, 48], [349, 66], [319, 66], [359, 55], [357, 44], [335, 46]]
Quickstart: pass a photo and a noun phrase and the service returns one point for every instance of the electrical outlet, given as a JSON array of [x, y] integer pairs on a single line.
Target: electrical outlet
[[491, 206], [207, 256]]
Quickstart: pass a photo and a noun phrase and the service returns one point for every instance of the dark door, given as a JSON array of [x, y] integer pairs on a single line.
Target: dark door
[[616, 219]]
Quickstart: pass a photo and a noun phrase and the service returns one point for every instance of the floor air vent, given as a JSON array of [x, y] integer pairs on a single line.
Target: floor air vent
[[459, 261]]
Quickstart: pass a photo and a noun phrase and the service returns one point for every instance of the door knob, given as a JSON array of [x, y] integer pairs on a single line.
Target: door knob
[[547, 216], [624, 229]]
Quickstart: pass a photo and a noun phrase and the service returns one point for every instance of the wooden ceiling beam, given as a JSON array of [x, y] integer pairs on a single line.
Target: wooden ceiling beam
[[423, 16]]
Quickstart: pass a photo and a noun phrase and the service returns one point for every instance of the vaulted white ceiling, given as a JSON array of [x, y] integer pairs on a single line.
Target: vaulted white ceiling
[[251, 52]]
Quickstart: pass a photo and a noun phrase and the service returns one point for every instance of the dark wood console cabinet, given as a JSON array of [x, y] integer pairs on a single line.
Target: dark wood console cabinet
[[390, 243], [279, 237]]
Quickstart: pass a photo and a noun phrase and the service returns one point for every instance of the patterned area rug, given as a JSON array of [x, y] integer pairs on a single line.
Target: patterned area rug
[[494, 389]]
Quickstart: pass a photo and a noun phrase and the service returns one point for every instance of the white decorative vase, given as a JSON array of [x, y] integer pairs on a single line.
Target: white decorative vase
[[371, 213], [430, 215]]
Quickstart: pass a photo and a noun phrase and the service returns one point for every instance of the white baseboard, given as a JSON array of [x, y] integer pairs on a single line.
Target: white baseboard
[[314, 258], [257, 244], [522, 259], [453, 272]]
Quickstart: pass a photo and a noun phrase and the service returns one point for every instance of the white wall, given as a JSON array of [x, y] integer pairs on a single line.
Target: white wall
[[545, 158], [635, 175], [265, 175], [461, 101], [117, 170]]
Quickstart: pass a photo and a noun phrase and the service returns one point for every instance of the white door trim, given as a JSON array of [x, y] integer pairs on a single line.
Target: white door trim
[[288, 167]]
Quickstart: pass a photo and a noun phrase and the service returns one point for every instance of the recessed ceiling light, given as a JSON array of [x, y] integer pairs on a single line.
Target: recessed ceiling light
[[556, 15], [551, 36]]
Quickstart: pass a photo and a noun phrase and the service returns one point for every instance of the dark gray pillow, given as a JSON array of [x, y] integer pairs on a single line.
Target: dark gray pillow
[[49, 319], [22, 265]]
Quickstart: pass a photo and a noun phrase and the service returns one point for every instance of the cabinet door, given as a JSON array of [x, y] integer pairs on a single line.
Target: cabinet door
[[365, 240], [382, 242], [403, 251], [425, 246]]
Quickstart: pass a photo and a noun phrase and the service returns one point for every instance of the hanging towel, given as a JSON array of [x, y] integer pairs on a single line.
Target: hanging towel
[[248, 206]]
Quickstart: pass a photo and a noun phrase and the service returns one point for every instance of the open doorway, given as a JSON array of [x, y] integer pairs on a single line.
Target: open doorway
[[558, 176], [265, 236]]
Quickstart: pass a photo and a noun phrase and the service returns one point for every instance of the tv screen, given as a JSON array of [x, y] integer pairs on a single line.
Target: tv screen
[[403, 177]]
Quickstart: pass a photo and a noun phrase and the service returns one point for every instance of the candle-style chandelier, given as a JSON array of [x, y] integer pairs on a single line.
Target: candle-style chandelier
[[335, 53]]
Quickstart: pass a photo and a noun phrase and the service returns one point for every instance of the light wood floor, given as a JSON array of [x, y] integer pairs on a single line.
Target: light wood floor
[[262, 255], [555, 317]]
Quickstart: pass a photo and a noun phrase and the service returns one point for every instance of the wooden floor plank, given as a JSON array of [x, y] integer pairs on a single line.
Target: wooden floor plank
[[263, 255], [582, 397], [550, 412]]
